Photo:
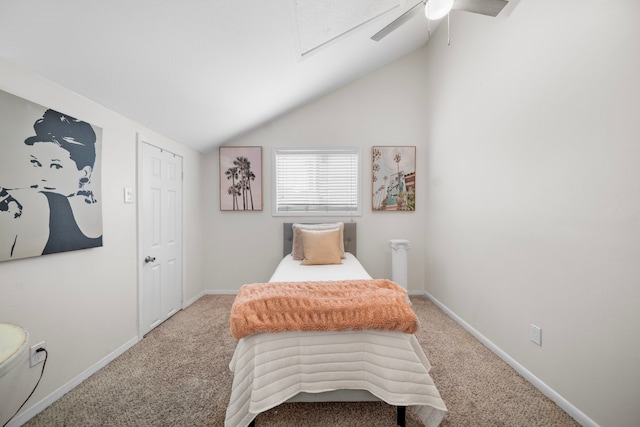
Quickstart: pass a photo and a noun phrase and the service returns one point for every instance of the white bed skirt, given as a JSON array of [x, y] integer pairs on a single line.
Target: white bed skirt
[[270, 369]]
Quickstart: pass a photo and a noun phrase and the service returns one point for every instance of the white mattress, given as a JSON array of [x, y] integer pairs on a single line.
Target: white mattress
[[291, 270], [272, 368]]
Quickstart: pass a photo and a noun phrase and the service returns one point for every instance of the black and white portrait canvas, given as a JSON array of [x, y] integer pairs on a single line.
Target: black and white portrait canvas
[[50, 185]]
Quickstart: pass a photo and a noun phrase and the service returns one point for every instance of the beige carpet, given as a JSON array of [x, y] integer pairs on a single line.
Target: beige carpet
[[179, 376]]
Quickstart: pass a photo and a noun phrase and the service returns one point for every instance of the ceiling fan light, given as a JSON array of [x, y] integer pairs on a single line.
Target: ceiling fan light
[[437, 9]]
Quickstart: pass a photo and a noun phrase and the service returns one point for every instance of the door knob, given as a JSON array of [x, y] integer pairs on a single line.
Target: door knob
[[149, 259]]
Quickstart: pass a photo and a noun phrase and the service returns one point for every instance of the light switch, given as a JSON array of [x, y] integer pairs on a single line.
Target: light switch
[[128, 195]]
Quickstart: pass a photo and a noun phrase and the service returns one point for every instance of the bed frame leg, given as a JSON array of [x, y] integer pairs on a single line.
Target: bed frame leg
[[402, 412]]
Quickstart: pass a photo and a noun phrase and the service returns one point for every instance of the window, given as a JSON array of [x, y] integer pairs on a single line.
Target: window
[[316, 182]]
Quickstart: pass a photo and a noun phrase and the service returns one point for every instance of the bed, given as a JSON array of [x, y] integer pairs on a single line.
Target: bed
[[276, 365]]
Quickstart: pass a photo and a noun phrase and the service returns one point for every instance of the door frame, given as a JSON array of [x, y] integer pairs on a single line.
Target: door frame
[[142, 139]]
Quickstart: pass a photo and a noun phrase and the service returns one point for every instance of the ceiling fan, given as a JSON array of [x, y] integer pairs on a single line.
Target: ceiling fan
[[436, 9]]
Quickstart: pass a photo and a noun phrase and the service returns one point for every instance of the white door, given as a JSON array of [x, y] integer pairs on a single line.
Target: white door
[[161, 243]]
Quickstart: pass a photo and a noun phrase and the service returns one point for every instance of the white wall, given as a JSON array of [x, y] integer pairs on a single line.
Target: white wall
[[383, 108], [533, 212], [84, 303]]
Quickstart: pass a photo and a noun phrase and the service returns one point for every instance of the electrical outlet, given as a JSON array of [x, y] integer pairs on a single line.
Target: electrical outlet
[[35, 356], [536, 334]]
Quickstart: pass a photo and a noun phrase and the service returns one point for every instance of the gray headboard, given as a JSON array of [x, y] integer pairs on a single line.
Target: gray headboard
[[350, 242]]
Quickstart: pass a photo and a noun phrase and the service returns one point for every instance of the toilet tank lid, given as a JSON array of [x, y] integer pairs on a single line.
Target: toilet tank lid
[[13, 345]]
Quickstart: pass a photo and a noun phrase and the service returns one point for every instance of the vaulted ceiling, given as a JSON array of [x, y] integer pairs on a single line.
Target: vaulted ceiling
[[202, 72]]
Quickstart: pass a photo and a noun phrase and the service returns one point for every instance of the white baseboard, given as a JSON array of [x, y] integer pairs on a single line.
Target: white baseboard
[[192, 300], [44, 403], [208, 292], [223, 292], [574, 412]]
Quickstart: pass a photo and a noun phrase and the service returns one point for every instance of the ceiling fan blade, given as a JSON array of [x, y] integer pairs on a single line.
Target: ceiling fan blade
[[398, 22], [483, 7]]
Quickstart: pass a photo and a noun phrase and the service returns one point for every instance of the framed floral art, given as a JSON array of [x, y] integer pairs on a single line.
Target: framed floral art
[[393, 178]]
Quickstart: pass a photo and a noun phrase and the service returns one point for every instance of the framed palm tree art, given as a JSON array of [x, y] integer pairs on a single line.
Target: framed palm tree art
[[393, 178], [240, 178]]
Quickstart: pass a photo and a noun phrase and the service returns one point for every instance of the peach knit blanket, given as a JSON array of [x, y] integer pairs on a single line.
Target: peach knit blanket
[[320, 306]]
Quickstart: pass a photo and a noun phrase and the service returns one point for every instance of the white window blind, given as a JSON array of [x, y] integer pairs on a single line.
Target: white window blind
[[316, 182]]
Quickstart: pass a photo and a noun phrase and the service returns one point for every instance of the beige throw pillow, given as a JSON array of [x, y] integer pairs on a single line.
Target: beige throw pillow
[[321, 247], [297, 251]]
